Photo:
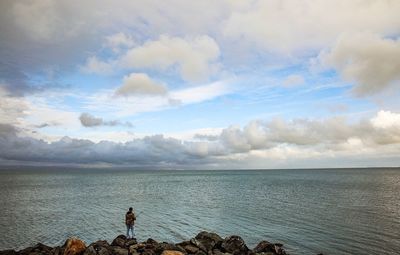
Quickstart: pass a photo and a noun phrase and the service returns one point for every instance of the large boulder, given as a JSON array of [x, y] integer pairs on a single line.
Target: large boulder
[[119, 241], [278, 249], [264, 246], [234, 245], [209, 240], [101, 247], [74, 246], [198, 244]]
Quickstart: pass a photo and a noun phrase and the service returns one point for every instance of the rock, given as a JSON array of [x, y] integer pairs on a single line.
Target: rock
[[198, 244], [37, 249], [218, 252], [148, 252], [209, 240], [8, 252], [184, 243], [191, 249], [264, 246], [278, 249], [98, 248], [57, 250], [200, 252], [171, 252], [119, 241], [160, 247], [234, 245], [90, 251], [152, 241], [116, 250], [130, 242], [74, 246]]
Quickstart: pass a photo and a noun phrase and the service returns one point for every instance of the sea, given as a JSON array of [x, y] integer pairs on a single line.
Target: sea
[[310, 211]]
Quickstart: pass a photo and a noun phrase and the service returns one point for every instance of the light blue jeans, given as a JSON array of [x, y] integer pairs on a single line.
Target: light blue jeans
[[132, 229]]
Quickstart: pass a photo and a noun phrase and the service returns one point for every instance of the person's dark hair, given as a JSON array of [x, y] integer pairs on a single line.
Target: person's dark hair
[[130, 209]]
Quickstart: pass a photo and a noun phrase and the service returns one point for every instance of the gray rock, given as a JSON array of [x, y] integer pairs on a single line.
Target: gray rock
[[119, 241], [198, 244], [90, 251], [264, 246], [209, 240], [234, 245]]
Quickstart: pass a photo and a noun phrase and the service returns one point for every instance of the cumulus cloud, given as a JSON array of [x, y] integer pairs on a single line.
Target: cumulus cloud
[[265, 140], [88, 120], [287, 26], [140, 84], [194, 58], [372, 63]]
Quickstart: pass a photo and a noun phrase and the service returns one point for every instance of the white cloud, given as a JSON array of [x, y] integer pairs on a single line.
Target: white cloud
[[192, 56], [140, 84], [386, 119], [369, 61]]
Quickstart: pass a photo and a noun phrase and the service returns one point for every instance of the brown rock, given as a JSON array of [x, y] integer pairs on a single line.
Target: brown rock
[[160, 247], [116, 250], [191, 249], [171, 252], [74, 246]]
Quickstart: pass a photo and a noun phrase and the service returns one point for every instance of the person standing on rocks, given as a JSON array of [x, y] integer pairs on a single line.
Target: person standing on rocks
[[130, 223]]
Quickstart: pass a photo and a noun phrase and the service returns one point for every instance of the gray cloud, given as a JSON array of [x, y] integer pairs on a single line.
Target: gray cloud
[[369, 61], [299, 139], [88, 120]]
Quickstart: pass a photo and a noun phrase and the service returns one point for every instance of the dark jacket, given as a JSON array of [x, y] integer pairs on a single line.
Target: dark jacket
[[130, 218]]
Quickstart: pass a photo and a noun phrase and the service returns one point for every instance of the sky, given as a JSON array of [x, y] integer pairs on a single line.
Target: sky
[[200, 84]]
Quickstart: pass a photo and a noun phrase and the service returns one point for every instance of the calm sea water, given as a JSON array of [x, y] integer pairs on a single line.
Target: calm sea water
[[353, 211]]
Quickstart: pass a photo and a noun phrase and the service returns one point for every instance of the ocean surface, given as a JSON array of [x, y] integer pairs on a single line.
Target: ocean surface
[[346, 211]]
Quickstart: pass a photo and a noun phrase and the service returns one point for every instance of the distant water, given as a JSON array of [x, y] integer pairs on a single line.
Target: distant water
[[353, 211]]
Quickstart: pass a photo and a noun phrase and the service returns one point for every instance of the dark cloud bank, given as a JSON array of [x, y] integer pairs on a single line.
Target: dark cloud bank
[[372, 142]]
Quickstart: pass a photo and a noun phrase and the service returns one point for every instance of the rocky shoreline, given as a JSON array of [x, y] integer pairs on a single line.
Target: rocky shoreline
[[204, 243]]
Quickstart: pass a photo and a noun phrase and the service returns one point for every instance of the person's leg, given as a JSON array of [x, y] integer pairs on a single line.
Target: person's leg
[[127, 231], [133, 231]]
